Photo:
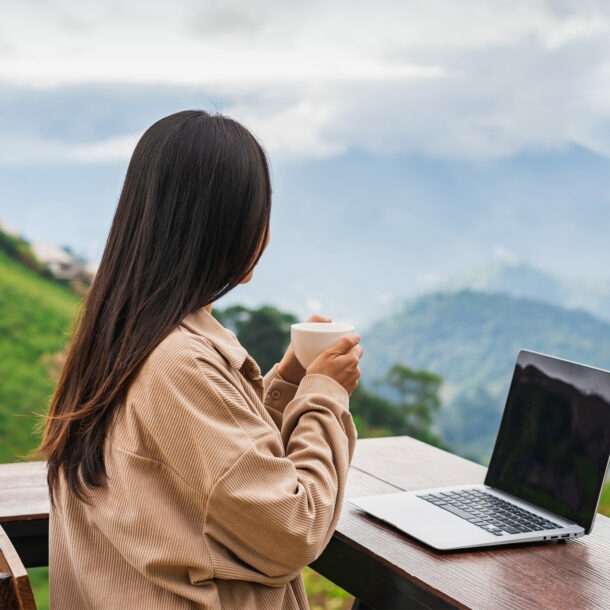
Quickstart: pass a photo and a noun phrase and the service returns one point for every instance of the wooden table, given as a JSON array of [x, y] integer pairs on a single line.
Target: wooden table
[[386, 569], [380, 566]]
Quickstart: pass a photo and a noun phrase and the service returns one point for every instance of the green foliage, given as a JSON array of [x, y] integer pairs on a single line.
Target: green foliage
[[39, 577], [473, 421], [323, 594], [376, 416], [604, 503], [35, 321], [418, 395], [264, 332]]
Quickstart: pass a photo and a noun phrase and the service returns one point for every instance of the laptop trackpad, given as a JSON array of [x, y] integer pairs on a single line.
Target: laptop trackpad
[[424, 521]]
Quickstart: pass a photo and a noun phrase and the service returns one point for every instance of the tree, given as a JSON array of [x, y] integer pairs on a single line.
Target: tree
[[375, 415], [472, 422], [417, 399], [264, 332]]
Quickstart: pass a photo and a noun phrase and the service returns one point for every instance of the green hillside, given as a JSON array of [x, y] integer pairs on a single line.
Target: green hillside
[[36, 315], [471, 339]]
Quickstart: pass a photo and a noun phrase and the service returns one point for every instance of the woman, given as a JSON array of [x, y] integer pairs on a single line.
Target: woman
[[179, 477]]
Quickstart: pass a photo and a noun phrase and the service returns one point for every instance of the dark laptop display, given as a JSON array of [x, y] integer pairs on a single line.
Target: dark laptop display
[[554, 440]]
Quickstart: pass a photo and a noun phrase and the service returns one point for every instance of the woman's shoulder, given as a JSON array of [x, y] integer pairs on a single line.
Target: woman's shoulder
[[199, 340], [182, 369], [181, 347]]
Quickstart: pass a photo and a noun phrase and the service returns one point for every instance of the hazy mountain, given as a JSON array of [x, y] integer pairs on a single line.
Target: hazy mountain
[[522, 280], [472, 339]]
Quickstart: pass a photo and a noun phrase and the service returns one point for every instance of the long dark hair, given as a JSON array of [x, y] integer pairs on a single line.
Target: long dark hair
[[191, 223]]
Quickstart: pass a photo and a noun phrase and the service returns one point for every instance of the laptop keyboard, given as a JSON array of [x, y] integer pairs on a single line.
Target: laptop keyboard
[[489, 512]]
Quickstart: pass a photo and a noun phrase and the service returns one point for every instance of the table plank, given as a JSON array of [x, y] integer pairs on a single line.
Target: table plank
[[409, 464], [24, 510], [23, 491]]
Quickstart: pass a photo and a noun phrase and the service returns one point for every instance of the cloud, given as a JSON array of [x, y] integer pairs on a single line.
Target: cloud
[[218, 20], [505, 255], [293, 131], [24, 151], [444, 78]]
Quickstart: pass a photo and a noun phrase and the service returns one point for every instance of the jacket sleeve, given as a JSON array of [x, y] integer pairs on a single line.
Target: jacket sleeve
[[277, 394], [276, 510]]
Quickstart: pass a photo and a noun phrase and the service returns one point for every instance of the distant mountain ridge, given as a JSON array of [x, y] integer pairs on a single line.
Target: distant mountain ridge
[[471, 338], [520, 279]]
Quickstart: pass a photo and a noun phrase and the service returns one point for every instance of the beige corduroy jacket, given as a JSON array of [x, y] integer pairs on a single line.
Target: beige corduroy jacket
[[221, 486]]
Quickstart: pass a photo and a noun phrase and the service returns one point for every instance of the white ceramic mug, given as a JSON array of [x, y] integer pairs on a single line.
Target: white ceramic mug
[[308, 339]]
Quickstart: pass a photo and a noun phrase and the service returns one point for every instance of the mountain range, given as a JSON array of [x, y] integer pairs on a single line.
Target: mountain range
[[471, 338], [522, 280]]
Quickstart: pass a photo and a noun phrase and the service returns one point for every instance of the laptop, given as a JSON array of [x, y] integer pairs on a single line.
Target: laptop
[[546, 472]]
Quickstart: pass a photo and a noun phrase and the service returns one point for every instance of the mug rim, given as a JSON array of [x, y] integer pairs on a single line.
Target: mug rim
[[323, 326]]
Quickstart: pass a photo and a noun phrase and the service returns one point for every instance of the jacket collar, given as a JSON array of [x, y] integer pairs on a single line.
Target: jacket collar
[[202, 322]]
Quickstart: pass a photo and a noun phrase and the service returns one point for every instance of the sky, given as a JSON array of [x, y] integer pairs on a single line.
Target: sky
[[407, 139], [447, 78]]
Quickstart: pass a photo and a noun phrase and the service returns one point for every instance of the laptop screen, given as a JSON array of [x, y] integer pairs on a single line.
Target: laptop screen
[[553, 443]]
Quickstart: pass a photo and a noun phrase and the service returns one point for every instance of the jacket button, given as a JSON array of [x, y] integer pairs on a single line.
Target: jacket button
[[275, 394]]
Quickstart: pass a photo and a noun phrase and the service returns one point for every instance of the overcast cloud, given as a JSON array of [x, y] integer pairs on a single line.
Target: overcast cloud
[[444, 78]]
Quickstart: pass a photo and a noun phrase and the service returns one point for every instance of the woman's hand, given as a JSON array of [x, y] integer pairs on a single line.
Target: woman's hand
[[289, 367], [340, 361]]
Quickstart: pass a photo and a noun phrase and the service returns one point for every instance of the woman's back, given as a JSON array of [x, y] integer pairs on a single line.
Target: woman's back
[[237, 516]]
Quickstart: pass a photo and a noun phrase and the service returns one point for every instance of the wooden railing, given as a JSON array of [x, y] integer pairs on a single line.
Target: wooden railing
[[24, 510]]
